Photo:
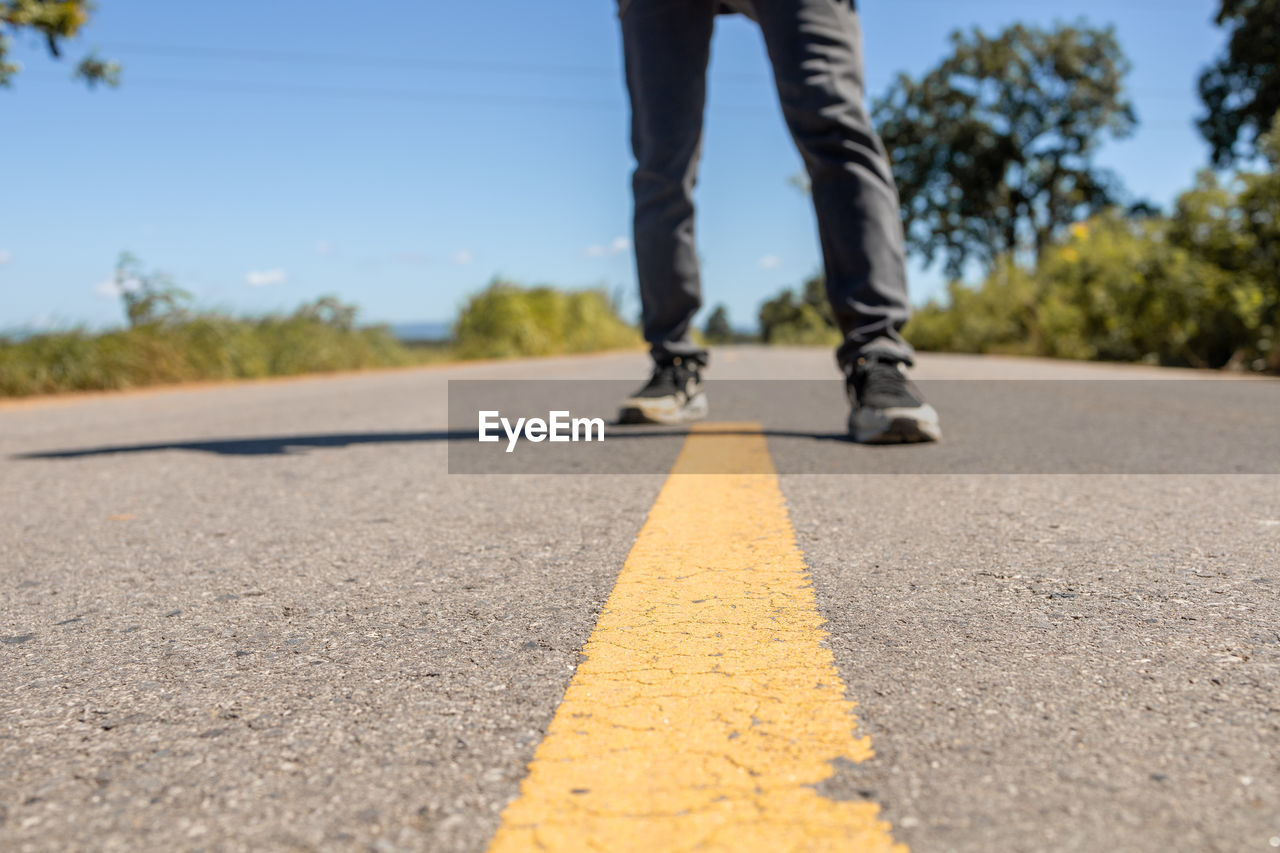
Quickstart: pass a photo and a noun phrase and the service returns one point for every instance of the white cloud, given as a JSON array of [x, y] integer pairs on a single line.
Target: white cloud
[[5, 257], [616, 246], [324, 248], [463, 257], [264, 278], [411, 257], [769, 262]]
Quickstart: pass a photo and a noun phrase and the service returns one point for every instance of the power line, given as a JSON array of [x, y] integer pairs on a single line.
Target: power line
[[331, 60], [397, 62], [364, 93], [308, 90]]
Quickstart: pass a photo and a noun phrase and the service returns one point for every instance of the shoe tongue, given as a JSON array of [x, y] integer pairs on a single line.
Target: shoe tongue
[[887, 364]]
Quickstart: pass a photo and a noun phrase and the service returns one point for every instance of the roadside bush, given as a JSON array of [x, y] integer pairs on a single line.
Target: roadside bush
[[998, 317], [168, 342], [506, 320], [1117, 290], [197, 346], [1234, 225], [1200, 287], [1122, 291], [799, 320]]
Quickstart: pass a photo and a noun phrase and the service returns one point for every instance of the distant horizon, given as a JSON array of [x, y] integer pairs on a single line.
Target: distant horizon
[[406, 330]]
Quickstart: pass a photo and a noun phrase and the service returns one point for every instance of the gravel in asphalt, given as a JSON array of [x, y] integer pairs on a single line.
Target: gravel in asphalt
[[286, 626]]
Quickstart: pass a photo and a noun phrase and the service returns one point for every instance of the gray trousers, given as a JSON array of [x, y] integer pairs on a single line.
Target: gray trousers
[[815, 47]]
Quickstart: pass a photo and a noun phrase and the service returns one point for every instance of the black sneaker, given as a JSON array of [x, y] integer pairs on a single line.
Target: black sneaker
[[673, 395], [887, 406]]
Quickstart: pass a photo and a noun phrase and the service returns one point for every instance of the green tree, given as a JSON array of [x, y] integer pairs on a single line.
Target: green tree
[[1241, 89], [54, 21], [1235, 226], [806, 318], [717, 329], [148, 297], [1260, 202], [993, 150]]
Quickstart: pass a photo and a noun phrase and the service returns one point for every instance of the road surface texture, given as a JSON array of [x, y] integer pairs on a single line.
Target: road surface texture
[[265, 616]]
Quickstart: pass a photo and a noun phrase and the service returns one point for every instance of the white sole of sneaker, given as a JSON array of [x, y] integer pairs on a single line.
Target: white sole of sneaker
[[641, 410], [895, 426]]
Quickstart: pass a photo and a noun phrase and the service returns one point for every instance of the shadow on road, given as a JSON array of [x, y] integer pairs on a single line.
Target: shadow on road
[[284, 444]]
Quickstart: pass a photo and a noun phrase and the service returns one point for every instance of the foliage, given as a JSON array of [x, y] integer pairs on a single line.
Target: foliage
[[1118, 290], [329, 311], [148, 297], [717, 329], [1241, 89], [54, 21], [198, 346], [997, 317], [1124, 291], [506, 320], [1235, 226], [168, 342], [802, 320], [1199, 287], [993, 150]]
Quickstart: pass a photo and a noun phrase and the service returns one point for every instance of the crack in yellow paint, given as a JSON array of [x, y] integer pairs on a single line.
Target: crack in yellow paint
[[707, 708]]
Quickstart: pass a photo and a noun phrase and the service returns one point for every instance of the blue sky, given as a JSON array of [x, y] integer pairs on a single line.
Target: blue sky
[[400, 153]]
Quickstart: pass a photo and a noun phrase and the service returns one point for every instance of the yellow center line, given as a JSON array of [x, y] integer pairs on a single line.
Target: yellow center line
[[707, 709]]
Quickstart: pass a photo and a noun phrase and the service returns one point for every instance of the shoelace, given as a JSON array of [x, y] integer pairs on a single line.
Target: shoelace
[[882, 378], [666, 376]]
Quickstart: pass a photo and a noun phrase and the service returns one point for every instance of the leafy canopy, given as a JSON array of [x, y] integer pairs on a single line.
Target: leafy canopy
[[1241, 89], [54, 21], [993, 149]]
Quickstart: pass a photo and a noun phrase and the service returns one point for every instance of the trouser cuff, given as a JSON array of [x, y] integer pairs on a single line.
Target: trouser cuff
[[689, 352], [883, 348]]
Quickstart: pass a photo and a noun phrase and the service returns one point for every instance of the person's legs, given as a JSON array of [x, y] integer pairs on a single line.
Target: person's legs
[[667, 44], [816, 50]]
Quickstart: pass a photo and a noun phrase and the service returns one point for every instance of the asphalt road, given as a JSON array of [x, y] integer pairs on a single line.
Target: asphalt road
[[266, 616]]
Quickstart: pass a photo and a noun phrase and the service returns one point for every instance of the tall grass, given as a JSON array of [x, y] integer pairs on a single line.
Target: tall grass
[[171, 344], [203, 347]]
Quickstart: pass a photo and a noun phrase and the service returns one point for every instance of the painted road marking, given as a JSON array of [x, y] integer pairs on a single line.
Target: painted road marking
[[707, 711]]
